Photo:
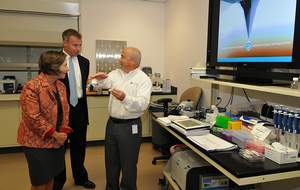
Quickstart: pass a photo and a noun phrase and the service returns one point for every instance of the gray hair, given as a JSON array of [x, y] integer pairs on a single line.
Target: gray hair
[[135, 55]]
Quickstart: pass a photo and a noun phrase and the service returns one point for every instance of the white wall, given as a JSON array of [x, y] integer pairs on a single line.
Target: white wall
[[171, 36], [186, 41], [140, 23]]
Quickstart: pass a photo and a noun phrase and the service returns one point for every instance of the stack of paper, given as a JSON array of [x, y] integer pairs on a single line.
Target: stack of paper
[[192, 132], [168, 120], [260, 132], [210, 142], [190, 124]]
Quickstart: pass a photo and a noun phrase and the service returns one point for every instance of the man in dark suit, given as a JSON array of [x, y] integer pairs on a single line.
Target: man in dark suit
[[75, 82]]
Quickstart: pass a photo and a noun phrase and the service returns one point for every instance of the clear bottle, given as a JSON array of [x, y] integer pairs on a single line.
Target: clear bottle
[[289, 131], [157, 80], [295, 83], [284, 137], [281, 123], [151, 77]]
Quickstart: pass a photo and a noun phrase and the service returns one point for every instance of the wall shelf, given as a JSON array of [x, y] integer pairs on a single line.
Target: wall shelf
[[19, 67], [9, 97], [269, 89]]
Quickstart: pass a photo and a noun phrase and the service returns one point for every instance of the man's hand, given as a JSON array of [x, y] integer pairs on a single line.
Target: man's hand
[[60, 137], [120, 95], [99, 76]]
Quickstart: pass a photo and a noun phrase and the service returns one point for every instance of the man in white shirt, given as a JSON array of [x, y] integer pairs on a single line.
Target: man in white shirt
[[129, 98]]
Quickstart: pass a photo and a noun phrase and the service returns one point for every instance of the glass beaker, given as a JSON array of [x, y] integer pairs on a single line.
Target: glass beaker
[[157, 80]]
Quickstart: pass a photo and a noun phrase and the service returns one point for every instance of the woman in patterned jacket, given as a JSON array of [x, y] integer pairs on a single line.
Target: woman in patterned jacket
[[44, 124]]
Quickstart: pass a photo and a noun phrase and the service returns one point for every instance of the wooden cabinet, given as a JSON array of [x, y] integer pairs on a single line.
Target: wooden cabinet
[[98, 115], [9, 119]]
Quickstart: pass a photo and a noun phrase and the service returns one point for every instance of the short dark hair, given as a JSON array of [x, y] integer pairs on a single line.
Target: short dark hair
[[50, 61], [70, 32]]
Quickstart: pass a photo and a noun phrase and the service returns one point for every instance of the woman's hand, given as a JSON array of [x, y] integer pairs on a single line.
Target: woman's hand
[[60, 137]]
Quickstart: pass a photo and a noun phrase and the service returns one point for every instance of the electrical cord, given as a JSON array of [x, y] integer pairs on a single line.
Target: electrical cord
[[231, 98], [219, 99], [247, 97]]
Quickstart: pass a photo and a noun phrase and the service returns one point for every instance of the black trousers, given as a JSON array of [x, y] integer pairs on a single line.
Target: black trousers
[[122, 145], [77, 142]]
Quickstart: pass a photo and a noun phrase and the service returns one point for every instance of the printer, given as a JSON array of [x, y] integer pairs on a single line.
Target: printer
[[191, 172]]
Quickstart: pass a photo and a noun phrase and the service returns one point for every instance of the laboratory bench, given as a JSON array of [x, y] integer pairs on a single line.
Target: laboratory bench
[[236, 168], [10, 116]]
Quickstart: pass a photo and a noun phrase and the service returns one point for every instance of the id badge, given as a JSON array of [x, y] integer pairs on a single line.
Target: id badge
[[134, 129]]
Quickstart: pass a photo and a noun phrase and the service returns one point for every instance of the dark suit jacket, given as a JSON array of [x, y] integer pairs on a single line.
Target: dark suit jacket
[[84, 117]]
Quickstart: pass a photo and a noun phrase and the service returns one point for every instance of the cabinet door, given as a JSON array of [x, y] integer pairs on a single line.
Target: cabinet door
[[9, 119], [146, 132], [36, 29], [98, 116]]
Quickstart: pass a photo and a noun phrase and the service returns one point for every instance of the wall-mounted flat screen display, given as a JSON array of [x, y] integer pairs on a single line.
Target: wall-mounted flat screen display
[[256, 30]]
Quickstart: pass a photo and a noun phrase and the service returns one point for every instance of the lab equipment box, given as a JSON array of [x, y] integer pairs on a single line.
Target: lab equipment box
[[281, 156], [190, 171]]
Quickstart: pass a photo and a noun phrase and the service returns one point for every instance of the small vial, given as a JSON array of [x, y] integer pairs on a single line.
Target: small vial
[[294, 84]]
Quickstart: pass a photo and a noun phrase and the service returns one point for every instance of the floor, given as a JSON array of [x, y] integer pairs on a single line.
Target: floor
[[14, 172]]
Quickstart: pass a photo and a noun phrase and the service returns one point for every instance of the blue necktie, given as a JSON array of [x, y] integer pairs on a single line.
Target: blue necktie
[[72, 84]]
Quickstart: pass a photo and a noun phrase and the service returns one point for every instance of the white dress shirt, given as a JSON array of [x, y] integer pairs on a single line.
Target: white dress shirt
[[137, 88], [77, 74]]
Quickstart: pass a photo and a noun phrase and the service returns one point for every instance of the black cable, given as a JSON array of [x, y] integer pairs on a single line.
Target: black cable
[[231, 97], [219, 99], [247, 97]]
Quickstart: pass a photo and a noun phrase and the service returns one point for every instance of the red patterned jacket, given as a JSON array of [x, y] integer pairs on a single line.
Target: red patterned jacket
[[39, 113]]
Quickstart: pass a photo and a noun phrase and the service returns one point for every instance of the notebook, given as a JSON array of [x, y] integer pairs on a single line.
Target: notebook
[[210, 142]]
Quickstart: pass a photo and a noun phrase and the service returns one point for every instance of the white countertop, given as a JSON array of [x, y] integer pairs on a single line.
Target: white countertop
[[9, 97]]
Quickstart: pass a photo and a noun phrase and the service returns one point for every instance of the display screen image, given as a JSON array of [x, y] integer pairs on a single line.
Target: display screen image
[[256, 30]]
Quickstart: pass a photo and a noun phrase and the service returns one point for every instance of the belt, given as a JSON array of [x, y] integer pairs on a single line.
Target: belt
[[117, 120]]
